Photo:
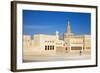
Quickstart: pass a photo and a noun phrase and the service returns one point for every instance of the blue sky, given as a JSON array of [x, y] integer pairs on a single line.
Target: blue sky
[[48, 22]]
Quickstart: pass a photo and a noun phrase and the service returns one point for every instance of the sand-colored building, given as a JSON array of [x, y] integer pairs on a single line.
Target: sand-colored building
[[52, 44], [27, 41], [76, 43]]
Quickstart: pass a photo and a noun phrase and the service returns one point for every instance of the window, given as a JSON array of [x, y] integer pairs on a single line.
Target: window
[[52, 47], [48, 47], [87, 47], [45, 47], [76, 48]]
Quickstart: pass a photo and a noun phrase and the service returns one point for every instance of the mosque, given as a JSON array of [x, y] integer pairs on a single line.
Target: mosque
[[53, 45]]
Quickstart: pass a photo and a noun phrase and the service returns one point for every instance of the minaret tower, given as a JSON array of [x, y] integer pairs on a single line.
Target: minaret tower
[[68, 33], [68, 27]]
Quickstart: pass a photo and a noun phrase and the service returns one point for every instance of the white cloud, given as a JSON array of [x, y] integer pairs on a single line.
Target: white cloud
[[37, 26]]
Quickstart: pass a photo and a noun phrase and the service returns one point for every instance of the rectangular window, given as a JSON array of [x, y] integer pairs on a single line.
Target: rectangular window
[[48, 47], [66, 49], [87, 47], [52, 47], [76, 48], [45, 47]]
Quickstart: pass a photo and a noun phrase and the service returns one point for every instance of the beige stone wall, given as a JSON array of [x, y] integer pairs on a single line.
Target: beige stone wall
[[26, 41], [81, 42], [61, 47], [61, 50], [76, 40], [87, 43], [36, 41], [43, 41], [51, 45]]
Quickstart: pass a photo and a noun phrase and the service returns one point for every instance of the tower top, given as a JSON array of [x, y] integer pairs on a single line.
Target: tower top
[[57, 33], [68, 26]]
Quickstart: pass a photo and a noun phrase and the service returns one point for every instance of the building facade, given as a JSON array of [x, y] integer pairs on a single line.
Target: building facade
[[52, 44], [76, 43]]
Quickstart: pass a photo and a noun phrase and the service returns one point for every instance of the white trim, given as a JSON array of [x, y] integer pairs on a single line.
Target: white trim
[[21, 65]]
